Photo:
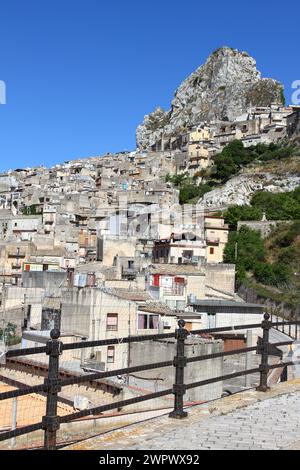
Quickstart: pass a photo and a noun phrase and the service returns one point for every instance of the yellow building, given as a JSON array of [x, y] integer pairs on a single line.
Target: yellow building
[[199, 149], [201, 134], [12, 257], [216, 236], [199, 156]]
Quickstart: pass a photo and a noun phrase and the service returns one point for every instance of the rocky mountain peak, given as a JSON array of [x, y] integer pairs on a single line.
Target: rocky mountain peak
[[220, 90]]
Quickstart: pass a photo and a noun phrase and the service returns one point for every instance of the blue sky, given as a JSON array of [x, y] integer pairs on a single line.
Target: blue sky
[[80, 75]]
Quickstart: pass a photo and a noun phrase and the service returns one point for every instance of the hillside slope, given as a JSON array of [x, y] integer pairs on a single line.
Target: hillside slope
[[276, 176], [269, 268]]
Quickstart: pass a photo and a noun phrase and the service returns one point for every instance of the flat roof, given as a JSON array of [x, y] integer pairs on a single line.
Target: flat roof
[[226, 306]]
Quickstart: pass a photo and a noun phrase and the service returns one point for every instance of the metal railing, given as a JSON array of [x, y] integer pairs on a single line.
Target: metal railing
[[176, 290], [54, 382], [285, 327]]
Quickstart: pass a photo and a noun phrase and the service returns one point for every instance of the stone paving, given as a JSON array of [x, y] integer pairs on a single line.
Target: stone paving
[[247, 421], [271, 424]]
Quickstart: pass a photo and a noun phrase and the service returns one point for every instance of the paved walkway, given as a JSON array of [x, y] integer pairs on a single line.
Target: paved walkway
[[271, 424], [250, 420]]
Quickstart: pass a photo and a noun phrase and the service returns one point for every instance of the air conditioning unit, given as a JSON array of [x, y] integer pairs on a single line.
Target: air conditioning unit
[[167, 324]]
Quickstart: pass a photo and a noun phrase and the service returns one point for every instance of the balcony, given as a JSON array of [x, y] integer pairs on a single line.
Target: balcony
[[13, 253], [177, 291], [217, 227], [212, 241]]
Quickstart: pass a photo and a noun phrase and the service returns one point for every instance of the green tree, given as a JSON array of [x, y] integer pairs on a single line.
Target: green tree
[[281, 273], [235, 214], [245, 249], [280, 206], [224, 167], [264, 273]]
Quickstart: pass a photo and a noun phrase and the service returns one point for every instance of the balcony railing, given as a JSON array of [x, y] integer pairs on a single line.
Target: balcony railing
[[16, 254], [176, 291], [130, 271], [213, 240], [57, 380]]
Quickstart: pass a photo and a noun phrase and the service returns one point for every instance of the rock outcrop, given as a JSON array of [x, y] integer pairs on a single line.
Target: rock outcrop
[[221, 89], [240, 189]]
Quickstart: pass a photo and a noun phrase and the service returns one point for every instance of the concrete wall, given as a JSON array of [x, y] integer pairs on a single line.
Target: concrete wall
[[15, 302], [158, 351], [52, 282], [196, 285], [113, 247], [84, 312], [221, 276], [43, 241], [233, 319], [264, 227]]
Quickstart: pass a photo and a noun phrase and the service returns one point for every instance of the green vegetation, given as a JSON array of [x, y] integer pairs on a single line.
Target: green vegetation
[[245, 249], [9, 336], [277, 206], [234, 156], [189, 192], [227, 164], [272, 266], [30, 210], [282, 96]]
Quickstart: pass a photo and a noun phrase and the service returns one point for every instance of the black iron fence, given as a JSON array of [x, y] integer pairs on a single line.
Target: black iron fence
[[54, 383]]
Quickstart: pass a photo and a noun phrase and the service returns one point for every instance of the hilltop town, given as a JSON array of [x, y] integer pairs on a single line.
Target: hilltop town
[[103, 247]]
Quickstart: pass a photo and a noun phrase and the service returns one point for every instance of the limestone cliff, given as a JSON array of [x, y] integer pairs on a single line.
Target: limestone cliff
[[274, 176], [221, 89]]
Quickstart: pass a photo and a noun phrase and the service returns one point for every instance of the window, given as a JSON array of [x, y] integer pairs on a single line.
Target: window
[[110, 354], [112, 322], [142, 322], [211, 251], [153, 322], [147, 322], [187, 254]]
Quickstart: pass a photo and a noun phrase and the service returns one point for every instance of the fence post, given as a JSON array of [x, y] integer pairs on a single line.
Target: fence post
[[51, 420], [284, 375], [179, 363], [266, 326]]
